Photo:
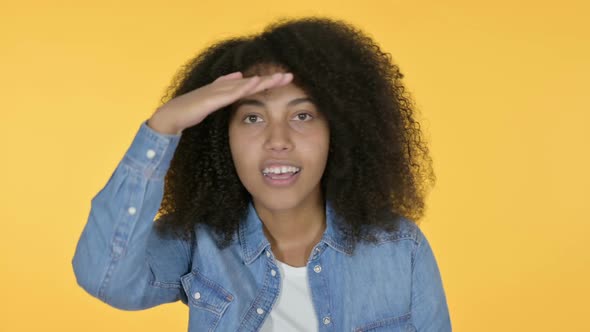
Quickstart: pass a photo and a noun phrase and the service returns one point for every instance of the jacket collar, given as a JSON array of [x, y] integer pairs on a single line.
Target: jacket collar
[[253, 241]]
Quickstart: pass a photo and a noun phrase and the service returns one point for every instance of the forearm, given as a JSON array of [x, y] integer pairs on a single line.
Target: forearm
[[110, 259]]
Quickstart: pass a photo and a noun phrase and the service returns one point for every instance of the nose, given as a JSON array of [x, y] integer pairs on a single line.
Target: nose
[[278, 137]]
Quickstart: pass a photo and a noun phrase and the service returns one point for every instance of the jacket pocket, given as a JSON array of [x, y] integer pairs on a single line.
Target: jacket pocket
[[207, 299], [394, 324]]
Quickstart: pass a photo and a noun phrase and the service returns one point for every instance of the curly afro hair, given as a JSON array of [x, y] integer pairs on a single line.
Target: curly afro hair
[[378, 169]]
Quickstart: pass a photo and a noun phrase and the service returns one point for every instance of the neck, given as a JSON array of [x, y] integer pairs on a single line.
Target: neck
[[298, 228]]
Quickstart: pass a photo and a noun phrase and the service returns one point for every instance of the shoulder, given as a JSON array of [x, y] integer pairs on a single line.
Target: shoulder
[[391, 249], [406, 230], [406, 240]]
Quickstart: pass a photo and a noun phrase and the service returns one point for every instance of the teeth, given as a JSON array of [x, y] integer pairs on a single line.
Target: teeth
[[280, 170]]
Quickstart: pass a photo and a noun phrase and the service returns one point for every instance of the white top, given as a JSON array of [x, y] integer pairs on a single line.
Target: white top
[[293, 311]]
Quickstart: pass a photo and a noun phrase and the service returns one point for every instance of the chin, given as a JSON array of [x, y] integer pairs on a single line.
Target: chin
[[277, 202]]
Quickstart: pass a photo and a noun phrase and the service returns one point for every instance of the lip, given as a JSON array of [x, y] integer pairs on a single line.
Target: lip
[[282, 182]]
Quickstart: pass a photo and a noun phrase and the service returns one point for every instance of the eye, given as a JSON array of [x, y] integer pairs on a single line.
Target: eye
[[302, 116], [251, 117]]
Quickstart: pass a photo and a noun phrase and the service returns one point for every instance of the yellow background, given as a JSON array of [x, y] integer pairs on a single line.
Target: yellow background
[[502, 87]]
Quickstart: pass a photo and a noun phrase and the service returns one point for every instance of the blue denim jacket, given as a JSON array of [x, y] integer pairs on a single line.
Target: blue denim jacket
[[394, 285]]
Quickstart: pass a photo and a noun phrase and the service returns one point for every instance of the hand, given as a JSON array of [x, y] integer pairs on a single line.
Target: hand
[[193, 107]]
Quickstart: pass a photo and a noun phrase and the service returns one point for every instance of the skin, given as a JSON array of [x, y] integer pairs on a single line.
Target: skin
[[265, 127], [192, 107]]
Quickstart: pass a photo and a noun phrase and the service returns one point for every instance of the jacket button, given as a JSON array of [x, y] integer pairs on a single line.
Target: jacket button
[[260, 311], [197, 295], [326, 320], [316, 252], [131, 210], [150, 154], [273, 272], [317, 268]]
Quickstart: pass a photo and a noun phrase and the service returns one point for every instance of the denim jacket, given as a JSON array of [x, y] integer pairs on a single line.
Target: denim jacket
[[393, 285]]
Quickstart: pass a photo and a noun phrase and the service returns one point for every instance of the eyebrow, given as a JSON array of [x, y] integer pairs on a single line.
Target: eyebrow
[[255, 102]]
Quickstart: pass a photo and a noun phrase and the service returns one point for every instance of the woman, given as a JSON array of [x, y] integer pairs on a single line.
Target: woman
[[288, 172]]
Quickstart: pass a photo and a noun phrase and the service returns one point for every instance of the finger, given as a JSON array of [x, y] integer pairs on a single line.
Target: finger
[[247, 84], [288, 77], [229, 76], [267, 82], [284, 78]]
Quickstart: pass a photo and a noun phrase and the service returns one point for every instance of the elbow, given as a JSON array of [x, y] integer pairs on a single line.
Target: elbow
[[96, 283], [127, 303], [119, 299], [86, 277]]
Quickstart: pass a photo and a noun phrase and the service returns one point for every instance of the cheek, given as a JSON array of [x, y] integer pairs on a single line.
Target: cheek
[[236, 149], [316, 152], [323, 151], [243, 155], [318, 142]]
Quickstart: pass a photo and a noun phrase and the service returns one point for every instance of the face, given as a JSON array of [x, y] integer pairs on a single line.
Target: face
[[275, 128]]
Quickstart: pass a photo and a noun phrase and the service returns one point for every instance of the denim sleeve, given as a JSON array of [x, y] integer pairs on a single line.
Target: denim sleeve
[[119, 259], [429, 304]]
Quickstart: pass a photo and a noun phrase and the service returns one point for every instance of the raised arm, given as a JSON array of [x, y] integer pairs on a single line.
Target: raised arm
[[119, 257]]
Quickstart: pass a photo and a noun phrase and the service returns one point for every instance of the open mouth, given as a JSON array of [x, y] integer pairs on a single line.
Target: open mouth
[[282, 179]]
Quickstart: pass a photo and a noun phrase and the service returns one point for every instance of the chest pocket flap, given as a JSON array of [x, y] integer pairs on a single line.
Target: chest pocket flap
[[204, 293]]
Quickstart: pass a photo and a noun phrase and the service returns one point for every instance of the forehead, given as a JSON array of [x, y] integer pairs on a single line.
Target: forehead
[[288, 95]]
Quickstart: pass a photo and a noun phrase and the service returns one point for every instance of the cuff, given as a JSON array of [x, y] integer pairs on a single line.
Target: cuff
[[151, 152]]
